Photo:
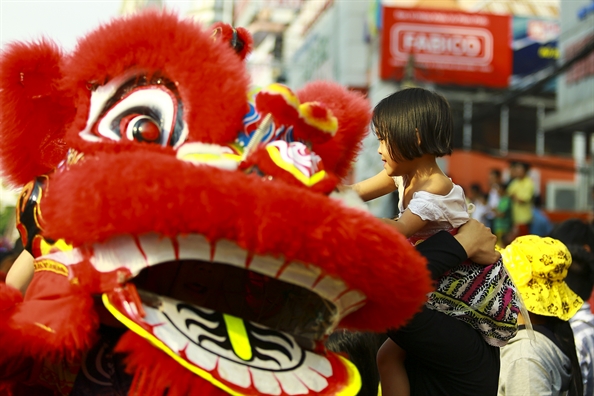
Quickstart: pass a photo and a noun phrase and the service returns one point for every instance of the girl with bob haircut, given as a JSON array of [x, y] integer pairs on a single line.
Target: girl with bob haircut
[[414, 122], [414, 127]]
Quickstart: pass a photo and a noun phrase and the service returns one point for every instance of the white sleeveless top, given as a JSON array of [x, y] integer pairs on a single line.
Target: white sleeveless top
[[443, 212]]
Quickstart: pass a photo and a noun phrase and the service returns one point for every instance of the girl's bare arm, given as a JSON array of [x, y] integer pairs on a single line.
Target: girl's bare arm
[[408, 224], [375, 187]]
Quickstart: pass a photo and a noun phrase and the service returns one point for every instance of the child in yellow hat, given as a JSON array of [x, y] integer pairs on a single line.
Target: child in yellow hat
[[547, 363]]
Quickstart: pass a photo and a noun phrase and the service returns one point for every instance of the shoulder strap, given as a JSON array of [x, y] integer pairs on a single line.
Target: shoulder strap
[[545, 331]]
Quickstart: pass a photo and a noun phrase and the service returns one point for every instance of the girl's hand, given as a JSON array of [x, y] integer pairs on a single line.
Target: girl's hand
[[479, 242]]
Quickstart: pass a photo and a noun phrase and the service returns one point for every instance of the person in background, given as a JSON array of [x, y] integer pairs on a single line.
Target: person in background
[[493, 195], [590, 216], [541, 224], [578, 236], [478, 198], [521, 192], [547, 364], [502, 223]]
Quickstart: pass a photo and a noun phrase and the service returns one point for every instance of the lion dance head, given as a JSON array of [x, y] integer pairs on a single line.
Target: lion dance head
[[165, 194]]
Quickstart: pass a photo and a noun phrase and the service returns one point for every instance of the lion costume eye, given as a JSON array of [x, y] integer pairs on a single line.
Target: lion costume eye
[[136, 110], [145, 115], [141, 128]]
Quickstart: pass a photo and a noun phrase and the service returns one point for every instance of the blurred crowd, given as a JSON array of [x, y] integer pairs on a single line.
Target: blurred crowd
[[511, 208]]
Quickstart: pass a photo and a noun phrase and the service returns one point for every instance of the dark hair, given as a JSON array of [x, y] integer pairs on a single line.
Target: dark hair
[[361, 349], [576, 235], [496, 172], [580, 275], [524, 165], [476, 187], [477, 191], [574, 231], [410, 115]]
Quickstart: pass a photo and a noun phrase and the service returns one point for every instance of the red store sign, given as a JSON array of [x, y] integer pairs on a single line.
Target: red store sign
[[447, 47]]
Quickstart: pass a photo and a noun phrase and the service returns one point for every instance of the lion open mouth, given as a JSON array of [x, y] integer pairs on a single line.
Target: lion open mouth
[[250, 324]]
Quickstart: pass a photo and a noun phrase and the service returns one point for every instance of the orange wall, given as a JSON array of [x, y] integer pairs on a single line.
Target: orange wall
[[468, 167]]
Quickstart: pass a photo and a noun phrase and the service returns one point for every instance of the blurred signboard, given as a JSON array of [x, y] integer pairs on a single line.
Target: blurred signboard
[[534, 45], [446, 47], [582, 68]]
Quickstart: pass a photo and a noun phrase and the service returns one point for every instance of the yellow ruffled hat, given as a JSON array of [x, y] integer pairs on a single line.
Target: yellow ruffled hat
[[538, 267]]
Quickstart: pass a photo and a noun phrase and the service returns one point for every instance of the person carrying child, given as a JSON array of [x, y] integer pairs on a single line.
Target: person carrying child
[[414, 127]]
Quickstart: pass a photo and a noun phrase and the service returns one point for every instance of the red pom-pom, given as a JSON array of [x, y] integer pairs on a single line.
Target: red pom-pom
[[316, 123], [238, 38], [353, 112], [33, 112], [281, 102]]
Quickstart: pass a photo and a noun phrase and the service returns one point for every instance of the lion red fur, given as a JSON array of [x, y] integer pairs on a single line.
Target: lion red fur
[[34, 112], [56, 318], [135, 188], [155, 372], [212, 79], [242, 208]]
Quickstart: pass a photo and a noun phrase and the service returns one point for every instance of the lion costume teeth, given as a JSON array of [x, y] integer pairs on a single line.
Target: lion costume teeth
[[199, 215]]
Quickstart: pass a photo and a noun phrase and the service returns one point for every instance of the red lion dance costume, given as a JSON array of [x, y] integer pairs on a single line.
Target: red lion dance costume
[[160, 195]]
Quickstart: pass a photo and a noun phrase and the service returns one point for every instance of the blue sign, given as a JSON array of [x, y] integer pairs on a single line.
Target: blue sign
[[585, 11], [534, 45]]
